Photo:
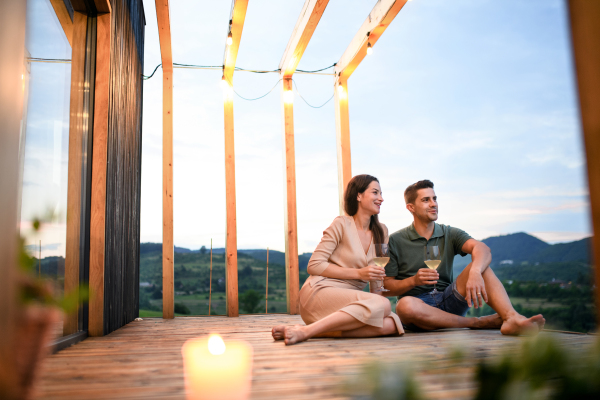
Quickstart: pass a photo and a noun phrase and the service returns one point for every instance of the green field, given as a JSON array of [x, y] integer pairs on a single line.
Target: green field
[[192, 284]]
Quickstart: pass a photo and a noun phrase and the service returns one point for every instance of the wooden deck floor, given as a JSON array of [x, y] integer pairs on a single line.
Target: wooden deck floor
[[143, 360]]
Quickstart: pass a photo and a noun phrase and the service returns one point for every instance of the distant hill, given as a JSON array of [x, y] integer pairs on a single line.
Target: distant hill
[[523, 248], [518, 247], [275, 257]]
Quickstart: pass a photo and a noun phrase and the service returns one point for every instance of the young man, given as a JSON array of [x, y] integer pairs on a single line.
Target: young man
[[409, 278]]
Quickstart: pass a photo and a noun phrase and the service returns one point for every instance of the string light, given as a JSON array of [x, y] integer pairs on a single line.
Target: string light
[[369, 49], [229, 39], [224, 83], [340, 90], [288, 96]]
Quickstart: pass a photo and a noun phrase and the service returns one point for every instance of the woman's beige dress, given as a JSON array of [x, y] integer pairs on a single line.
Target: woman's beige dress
[[321, 296]]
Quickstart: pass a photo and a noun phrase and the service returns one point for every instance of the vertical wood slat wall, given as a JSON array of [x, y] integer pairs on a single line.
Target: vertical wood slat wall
[[12, 45], [123, 183]]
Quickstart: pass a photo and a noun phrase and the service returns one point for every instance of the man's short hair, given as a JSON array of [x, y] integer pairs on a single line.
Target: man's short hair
[[410, 194]]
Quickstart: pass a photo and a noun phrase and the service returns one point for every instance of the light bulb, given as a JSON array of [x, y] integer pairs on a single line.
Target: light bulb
[[224, 83], [229, 39], [216, 345], [340, 90], [369, 49], [288, 96]]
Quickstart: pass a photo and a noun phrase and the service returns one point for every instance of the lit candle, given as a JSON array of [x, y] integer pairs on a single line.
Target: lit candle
[[215, 370]]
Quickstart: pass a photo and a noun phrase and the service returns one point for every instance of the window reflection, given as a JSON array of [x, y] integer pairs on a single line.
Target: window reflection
[[44, 138]]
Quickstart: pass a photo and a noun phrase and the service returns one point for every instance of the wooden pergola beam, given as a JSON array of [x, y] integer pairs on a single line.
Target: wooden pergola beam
[[236, 25], [236, 19], [305, 27], [585, 34], [371, 30], [164, 34]]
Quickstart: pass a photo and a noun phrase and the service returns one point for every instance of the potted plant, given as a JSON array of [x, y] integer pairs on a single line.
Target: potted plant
[[41, 309]]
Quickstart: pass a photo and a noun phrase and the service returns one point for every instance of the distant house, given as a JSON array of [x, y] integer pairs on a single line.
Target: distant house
[[507, 262], [146, 284]]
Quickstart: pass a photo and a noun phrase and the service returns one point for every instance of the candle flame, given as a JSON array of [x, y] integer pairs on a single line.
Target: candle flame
[[216, 345]]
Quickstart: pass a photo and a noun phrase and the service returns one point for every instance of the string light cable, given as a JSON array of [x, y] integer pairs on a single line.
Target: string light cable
[[218, 67], [257, 98], [307, 103]]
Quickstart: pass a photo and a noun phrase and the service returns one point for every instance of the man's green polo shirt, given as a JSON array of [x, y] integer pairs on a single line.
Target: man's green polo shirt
[[406, 254]]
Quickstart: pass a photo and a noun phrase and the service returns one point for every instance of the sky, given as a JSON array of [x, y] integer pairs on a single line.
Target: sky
[[477, 96]]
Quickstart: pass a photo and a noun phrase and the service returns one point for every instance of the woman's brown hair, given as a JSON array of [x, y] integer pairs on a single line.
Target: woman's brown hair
[[357, 185]]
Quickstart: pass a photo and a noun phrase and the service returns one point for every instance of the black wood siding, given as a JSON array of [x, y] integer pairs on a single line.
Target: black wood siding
[[121, 285]]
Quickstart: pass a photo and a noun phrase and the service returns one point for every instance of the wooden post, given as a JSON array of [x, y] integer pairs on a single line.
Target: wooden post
[[168, 245], [230, 209], [210, 281], [292, 277], [342, 130], [99, 165], [76, 127], [267, 287], [585, 33], [12, 76], [236, 26], [307, 22], [168, 256]]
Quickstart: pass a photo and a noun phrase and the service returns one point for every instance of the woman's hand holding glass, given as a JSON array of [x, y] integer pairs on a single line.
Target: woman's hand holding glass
[[371, 273]]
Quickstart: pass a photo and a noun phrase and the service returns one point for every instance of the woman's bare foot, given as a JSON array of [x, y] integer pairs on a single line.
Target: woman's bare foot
[[520, 325], [295, 334], [278, 332], [488, 322]]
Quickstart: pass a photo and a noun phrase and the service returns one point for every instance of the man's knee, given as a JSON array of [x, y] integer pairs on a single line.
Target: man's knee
[[406, 307]]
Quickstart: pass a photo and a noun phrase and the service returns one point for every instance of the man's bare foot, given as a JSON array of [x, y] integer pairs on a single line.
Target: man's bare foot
[[278, 332], [294, 334], [520, 325], [488, 322]]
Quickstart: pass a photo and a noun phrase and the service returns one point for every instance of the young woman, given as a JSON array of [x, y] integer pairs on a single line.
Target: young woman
[[332, 301]]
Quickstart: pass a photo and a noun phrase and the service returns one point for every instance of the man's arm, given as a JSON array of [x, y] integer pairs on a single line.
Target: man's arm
[[398, 287], [481, 259], [481, 255]]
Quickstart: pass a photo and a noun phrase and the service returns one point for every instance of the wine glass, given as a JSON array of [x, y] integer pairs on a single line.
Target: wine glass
[[433, 259], [382, 257]]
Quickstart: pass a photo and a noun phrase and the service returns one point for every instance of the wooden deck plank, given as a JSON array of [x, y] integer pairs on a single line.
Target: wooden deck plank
[[143, 360]]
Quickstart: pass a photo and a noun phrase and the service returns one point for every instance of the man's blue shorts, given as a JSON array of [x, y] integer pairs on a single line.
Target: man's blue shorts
[[450, 300]]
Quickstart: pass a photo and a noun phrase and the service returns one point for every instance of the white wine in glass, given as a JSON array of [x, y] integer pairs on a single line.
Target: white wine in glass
[[433, 260], [382, 257]]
